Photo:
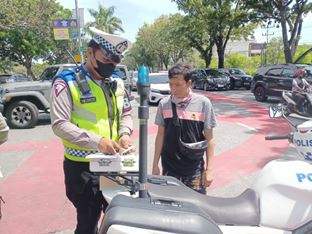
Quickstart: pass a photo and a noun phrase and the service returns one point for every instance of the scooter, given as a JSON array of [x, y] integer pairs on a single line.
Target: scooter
[[291, 105], [280, 200]]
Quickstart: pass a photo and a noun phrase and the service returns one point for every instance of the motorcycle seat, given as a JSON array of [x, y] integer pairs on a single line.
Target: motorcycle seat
[[243, 209]]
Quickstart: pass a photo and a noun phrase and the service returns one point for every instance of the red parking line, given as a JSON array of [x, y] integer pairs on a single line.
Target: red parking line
[[34, 192]]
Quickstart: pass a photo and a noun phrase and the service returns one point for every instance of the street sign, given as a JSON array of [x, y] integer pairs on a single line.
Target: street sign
[[83, 49], [61, 33], [65, 23]]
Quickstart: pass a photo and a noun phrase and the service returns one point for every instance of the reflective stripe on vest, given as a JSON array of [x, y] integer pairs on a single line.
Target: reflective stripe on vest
[[93, 116]]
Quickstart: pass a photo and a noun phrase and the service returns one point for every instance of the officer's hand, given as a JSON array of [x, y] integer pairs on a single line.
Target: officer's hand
[[125, 142], [108, 146]]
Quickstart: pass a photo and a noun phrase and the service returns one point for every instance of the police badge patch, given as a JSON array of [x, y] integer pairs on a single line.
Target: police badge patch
[[121, 47]]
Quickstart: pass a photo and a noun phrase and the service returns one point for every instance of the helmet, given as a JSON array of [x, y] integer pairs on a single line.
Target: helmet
[[301, 73], [302, 140]]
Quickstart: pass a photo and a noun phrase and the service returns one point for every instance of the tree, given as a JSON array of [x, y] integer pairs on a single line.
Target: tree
[[289, 14], [105, 20], [29, 36], [195, 32], [224, 19]]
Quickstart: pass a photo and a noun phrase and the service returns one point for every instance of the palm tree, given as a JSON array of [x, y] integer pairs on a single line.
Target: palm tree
[[105, 20]]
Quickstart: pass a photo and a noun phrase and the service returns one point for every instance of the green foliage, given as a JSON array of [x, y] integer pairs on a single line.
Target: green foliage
[[158, 45], [248, 64], [289, 14], [223, 20], [105, 20], [274, 52], [29, 34], [301, 49], [236, 60]]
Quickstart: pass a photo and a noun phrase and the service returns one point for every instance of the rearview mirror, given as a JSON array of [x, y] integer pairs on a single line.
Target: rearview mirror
[[276, 111]]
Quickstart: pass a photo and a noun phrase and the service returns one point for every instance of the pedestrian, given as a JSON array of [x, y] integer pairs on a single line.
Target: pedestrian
[[91, 112], [4, 130], [185, 133]]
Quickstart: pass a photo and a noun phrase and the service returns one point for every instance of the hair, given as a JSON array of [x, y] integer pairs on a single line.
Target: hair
[[180, 69]]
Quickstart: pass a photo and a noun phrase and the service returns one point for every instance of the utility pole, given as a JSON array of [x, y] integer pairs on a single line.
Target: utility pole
[[79, 31], [269, 25]]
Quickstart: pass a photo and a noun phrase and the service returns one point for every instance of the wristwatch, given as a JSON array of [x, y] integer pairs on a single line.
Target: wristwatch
[[124, 133]]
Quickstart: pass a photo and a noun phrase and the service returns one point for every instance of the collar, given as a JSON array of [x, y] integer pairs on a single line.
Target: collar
[[182, 102]]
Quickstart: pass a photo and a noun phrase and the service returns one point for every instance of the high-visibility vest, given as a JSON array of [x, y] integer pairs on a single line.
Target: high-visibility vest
[[92, 116]]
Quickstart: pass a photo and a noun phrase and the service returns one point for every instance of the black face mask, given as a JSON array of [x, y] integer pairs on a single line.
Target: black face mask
[[104, 69]]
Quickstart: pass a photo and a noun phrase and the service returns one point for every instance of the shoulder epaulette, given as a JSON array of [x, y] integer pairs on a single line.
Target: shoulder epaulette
[[66, 75]]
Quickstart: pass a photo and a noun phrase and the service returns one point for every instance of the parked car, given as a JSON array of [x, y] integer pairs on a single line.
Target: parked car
[[134, 80], [238, 78], [272, 80], [159, 87], [121, 71], [7, 78], [209, 79]]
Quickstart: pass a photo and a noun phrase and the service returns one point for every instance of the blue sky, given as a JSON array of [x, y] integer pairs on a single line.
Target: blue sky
[[134, 13]]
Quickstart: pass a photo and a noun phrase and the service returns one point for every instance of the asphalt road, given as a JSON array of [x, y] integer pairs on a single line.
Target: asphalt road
[[34, 156]]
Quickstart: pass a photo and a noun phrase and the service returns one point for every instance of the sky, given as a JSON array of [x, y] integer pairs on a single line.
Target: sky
[[134, 13]]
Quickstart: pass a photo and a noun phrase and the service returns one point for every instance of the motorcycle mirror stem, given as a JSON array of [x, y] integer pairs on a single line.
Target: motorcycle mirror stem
[[143, 86]]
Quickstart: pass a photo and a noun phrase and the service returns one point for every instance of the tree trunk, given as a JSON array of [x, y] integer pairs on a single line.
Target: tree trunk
[[207, 57], [28, 64], [287, 50]]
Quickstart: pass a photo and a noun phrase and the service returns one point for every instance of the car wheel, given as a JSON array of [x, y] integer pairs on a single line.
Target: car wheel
[[205, 86], [260, 94], [247, 87], [22, 114], [232, 84]]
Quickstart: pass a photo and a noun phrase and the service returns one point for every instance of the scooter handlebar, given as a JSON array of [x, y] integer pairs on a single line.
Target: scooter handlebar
[[268, 138]]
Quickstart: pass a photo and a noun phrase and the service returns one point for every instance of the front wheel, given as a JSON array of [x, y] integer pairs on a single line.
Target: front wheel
[[22, 114], [260, 94]]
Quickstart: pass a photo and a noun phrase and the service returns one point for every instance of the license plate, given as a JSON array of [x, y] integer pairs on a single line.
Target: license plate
[[220, 86], [246, 83]]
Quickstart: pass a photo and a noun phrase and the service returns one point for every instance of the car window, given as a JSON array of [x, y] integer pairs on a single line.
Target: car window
[[309, 70], [288, 72], [159, 79], [214, 73], [274, 72], [120, 72], [49, 73], [14, 78], [237, 72]]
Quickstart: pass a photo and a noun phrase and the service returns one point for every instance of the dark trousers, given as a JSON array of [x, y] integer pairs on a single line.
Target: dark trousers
[[299, 99], [82, 189]]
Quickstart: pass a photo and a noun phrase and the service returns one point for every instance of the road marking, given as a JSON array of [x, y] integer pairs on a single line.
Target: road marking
[[246, 126]]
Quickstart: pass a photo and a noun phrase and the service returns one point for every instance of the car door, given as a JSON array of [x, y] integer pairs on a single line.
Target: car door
[[287, 78], [273, 78]]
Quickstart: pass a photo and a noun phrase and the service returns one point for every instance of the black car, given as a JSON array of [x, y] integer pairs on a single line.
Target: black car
[[272, 80], [238, 78], [209, 79]]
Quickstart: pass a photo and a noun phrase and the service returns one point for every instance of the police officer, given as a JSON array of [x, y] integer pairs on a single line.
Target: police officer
[[91, 112]]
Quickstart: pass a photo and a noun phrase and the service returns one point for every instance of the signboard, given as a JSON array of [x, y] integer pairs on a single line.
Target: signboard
[[61, 33], [64, 23]]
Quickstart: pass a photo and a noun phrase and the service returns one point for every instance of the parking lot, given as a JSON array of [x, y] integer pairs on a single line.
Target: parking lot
[[31, 161]]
